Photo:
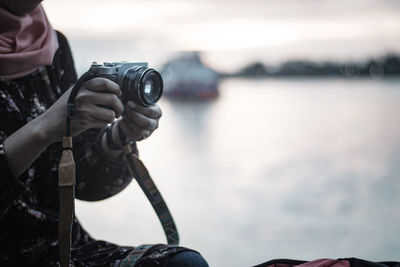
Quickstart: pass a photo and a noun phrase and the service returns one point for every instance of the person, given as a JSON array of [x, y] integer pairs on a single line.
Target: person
[[36, 76]]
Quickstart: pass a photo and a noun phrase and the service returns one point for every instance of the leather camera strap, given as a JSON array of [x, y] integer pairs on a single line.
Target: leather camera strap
[[66, 184]]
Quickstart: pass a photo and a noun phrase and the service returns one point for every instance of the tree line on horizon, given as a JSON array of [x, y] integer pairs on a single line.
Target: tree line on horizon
[[388, 65]]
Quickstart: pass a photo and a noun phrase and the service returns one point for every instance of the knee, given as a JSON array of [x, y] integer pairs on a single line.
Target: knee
[[187, 259]]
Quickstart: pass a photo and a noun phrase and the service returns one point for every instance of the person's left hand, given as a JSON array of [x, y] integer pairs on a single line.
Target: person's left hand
[[139, 122]]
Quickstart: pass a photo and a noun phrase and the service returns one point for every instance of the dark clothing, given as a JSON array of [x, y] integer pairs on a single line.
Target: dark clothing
[[29, 204]]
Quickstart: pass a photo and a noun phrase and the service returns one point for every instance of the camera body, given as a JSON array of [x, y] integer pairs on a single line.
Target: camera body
[[138, 83]]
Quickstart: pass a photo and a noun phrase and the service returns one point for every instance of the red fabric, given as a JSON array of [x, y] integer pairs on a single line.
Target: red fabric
[[326, 263], [26, 42]]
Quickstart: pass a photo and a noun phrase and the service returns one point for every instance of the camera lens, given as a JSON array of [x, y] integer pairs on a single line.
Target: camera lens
[[141, 85], [151, 86], [148, 87]]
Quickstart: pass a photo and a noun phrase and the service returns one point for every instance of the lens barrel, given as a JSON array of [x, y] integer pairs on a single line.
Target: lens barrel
[[141, 85]]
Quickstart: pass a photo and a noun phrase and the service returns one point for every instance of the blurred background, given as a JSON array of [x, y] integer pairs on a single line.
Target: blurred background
[[281, 130]]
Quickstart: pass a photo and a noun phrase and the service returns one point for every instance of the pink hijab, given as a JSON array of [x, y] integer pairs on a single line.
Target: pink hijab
[[26, 42]]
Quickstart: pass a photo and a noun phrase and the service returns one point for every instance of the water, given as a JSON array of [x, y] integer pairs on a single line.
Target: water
[[291, 168]]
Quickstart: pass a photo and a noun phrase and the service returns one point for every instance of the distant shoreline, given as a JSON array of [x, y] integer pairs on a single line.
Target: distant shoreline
[[380, 68], [394, 78]]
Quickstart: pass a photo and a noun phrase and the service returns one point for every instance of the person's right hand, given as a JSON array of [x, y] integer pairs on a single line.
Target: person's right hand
[[90, 111]]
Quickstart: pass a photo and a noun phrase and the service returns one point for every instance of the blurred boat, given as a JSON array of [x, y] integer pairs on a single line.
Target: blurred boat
[[187, 78]]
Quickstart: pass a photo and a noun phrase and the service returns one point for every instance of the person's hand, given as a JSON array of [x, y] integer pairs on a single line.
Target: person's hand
[[96, 105], [139, 122]]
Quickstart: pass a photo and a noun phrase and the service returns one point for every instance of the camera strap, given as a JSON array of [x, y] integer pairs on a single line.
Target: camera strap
[[67, 181], [66, 185]]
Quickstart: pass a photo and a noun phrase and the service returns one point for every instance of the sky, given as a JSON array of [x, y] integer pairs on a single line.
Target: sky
[[235, 32]]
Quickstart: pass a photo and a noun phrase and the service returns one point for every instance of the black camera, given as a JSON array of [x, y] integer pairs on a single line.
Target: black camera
[[138, 83]]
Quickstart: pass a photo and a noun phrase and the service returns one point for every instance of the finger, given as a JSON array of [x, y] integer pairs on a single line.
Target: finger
[[153, 112], [97, 112], [96, 123], [102, 85], [141, 120], [87, 97], [110, 101], [133, 131], [81, 124]]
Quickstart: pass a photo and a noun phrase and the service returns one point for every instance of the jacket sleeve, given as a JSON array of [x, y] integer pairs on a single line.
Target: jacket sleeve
[[97, 177]]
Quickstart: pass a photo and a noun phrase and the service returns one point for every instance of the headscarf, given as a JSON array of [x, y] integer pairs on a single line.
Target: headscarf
[[26, 42]]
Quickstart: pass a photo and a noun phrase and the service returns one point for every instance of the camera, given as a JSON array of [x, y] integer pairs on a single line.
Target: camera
[[138, 83]]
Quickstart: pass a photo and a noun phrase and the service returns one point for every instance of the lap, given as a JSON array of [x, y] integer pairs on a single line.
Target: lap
[[164, 256]]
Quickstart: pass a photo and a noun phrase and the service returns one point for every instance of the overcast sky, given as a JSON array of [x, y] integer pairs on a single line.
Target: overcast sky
[[235, 32]]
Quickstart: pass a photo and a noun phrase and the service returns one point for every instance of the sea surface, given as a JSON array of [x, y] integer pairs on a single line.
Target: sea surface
[[273, 168]]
